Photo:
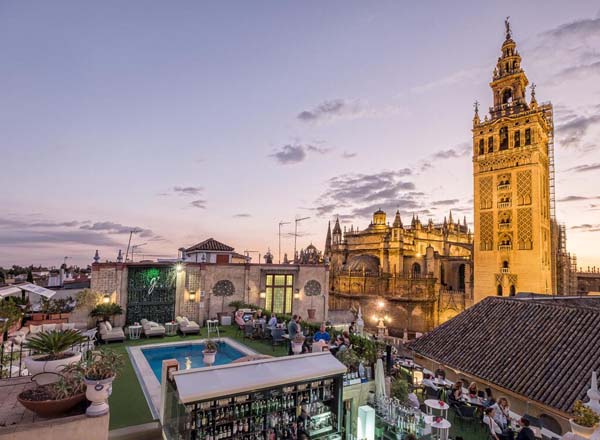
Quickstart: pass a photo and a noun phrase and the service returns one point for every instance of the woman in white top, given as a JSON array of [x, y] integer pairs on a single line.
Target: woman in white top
[[488, 420], [502, 412]]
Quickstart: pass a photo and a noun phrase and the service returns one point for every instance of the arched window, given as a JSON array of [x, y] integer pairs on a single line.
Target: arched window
[[505, 264], [528, 136], [507, 94], [499, 290], [512, 290], [416, 270], [481, 147], [490, 144], [551, 424], [461, 277], [442, 275], [517, 138], [504, 138]]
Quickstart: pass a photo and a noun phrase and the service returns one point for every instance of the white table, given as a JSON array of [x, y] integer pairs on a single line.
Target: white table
[[171, 328], [134, 331], [438, 405], [443, 429]]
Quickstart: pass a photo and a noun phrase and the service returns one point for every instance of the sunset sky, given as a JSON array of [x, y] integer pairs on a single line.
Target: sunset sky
[[191, 119]]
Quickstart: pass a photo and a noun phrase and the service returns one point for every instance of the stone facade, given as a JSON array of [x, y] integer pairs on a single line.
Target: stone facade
[[512, 154], [198, 281], [417, 275]]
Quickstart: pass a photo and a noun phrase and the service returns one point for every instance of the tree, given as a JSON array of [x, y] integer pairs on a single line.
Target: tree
[[223, 288], [29, 276], [10, 314]]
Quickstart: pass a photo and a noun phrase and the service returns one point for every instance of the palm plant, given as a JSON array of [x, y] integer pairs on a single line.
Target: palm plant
[[54, 344], [210, 346], [101, 364], [106, 311]]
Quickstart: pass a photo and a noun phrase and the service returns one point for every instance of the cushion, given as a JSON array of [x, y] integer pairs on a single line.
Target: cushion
[[185, 321], [67, 326], [179, 319], [48, 327], [153, 324], [108, 326], [18, 339], [144, 321]]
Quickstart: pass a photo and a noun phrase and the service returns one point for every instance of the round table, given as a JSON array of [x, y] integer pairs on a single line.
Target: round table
[[443, 429], [442, 407], [171, 328], [134, 331]]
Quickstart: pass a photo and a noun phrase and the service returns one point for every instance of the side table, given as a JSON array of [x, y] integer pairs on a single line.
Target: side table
[[134, 331], [171, 328]]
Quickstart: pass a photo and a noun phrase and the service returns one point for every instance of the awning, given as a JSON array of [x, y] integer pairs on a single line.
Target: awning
[[28, 287], [213, 382]]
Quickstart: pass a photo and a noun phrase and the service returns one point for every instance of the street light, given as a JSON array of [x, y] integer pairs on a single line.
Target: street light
[[298, 220]]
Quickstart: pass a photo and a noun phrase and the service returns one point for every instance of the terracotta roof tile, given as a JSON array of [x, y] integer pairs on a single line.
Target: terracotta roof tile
[[210, 245], [544, 350]]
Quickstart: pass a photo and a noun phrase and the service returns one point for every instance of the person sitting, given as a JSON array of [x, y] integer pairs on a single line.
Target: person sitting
[[428, 382], [526, 433], [456, 395], [495, 431], [259, 315], [339, 346], [473, 390], [346, 338], [273, 321], [322, 334], [239, 319], [489, 397], [502, 412], [440, 372], [413, 400], [352, 328]]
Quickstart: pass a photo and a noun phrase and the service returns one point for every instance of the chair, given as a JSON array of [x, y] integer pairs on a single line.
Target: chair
[[187, 327], [466, 413], [151, 328], [431, 393], [249, 330], [277, 337], [108, 333]]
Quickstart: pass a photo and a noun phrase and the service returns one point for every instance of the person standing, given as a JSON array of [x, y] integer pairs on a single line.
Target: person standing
[[292, 331]]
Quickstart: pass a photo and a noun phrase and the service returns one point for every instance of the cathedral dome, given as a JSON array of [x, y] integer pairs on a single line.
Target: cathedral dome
[[366, 263]]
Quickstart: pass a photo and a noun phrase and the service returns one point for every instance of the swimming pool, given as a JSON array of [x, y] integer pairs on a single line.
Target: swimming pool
[[188, 356]]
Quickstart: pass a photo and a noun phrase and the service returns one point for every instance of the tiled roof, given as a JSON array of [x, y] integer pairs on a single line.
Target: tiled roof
[[543, 350], [210, 245]]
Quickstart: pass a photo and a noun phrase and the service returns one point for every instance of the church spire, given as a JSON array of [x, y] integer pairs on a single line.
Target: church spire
[[328, 239], [397, 220]]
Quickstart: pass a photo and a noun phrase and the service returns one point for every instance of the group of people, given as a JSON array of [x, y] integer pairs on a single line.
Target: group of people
[[498, 421]]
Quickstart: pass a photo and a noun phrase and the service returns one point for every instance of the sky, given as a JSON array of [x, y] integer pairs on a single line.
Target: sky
[[187, 120]]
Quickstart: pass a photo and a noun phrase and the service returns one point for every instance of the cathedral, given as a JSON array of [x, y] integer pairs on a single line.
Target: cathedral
[[415, 276]]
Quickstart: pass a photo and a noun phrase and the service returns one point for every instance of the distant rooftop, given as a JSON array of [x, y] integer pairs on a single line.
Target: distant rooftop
[[210, 245]]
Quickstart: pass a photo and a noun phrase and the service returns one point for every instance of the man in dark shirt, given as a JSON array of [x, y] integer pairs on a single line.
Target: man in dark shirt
[[292, 330], [526, 433]]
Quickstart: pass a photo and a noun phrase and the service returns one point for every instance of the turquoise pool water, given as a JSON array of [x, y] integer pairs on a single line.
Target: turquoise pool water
[[188, 356]]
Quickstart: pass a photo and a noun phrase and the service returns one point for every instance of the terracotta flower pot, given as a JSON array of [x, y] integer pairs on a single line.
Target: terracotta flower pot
[[51, 408], [582, 431], [98, 392], [37, 368]]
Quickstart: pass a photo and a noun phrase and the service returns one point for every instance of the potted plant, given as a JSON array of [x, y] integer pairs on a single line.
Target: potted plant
[[210, 352], [56, 398], [10, 316], [312, 288], [103, 312], [99, 369], [350, 359], [584, 421], [298, 343], [51, 354]]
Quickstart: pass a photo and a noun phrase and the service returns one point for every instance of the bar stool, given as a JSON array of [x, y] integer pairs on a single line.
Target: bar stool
[[212, 325]]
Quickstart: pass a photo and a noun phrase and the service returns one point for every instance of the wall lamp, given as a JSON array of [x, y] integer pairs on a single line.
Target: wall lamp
[[193, 295], [106, 299]]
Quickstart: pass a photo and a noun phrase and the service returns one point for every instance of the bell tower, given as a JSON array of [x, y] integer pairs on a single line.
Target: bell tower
[[512, 173]]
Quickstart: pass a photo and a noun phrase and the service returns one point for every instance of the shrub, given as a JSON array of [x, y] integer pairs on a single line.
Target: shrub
[[87, 299], [366, 349], [349, 359], [54, 344], [101, 364], [584, 416], [10, 314], [105, 311], [400, 389]]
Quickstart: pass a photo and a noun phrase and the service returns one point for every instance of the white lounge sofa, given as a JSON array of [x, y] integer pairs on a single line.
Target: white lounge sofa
[[108, 333], [151, 328], [186, 326]]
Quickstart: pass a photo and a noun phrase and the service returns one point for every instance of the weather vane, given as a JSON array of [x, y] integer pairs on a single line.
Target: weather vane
[[507, 26], [476, 107]]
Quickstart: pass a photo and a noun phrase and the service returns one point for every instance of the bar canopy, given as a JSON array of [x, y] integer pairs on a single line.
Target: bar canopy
[[28, 287], [224, 380]]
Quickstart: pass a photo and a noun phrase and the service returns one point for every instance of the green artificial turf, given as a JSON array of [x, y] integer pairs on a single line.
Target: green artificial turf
[[128, 406]]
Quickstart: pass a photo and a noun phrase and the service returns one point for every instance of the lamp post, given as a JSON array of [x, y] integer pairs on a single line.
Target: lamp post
[[298, 220]]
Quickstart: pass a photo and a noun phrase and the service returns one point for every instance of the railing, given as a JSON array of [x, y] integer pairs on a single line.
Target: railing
[[505, 247], [504, 269], [504, 225], [503, 204], [503, 187], [12, 357]]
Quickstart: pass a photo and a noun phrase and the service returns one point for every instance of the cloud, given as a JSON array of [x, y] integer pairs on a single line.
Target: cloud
[[336, 109], [242, 215], [577, 198], [460, 150], [586, 227], [468, 76], [585, 167], [200, 204], [188, 190], [348, 155], [295, 153], [572, 132], [25, 238], [116, 228], [445, 202]]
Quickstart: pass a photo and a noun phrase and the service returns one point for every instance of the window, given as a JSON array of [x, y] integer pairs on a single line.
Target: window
[[503, 138], [481, 147], [461, 277], [517, 138], [507, 93], [528, 136], [279, 290], [416, 270], [490, 144], [499, 290], [512, 290]]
